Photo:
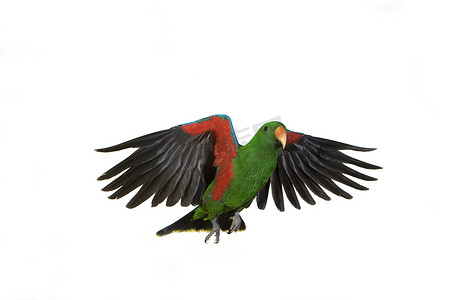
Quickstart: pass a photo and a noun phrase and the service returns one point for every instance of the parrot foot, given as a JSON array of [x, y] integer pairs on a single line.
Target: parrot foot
[[215, 230], [236, 223]]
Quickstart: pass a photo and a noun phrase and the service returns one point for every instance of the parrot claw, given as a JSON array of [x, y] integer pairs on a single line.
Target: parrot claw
[[215, 230], [235, 224]]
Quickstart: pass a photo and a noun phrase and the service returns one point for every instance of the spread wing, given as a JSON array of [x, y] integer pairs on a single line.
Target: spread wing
[[174, 164], [308, 164]]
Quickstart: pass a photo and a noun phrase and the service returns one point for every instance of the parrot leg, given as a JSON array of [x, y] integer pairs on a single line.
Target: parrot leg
[[236, 222], [215, 230]]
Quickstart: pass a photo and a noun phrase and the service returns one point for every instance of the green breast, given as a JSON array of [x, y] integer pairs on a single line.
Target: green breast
[[251, 169]]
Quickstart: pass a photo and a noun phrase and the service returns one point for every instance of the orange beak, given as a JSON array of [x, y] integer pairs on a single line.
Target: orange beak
[[280, 134]]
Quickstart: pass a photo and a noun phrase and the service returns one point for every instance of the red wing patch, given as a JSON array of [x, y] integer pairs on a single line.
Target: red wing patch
[[224, 149], [293, 137]]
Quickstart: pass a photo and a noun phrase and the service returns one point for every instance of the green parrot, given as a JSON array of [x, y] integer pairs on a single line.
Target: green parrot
[[202, 164]]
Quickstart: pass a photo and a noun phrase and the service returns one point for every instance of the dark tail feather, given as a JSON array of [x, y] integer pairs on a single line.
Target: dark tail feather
[[187, 224]]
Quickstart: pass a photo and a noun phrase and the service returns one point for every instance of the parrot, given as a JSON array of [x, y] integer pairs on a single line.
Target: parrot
[[202, 164]]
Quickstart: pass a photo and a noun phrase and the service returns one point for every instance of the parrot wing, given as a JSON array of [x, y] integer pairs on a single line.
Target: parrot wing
[[175, 164], [309, 163]]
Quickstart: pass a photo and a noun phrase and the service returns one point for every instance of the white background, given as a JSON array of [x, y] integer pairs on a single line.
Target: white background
[[79, 75]]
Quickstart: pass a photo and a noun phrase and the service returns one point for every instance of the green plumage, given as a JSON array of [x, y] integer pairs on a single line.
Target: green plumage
[[252, 167]]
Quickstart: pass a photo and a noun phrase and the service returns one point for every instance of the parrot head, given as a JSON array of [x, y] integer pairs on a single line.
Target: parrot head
[[272, 134]]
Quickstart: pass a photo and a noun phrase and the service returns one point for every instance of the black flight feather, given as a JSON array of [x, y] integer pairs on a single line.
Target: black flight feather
[[309, 164]]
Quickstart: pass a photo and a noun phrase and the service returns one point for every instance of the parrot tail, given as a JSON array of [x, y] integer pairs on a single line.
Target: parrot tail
[[187, 224]]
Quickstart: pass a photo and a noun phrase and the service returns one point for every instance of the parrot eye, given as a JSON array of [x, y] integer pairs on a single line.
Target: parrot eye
[[265, 128]]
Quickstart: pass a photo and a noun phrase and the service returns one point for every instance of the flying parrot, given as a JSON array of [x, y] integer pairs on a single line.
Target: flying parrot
[[202, 164]]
